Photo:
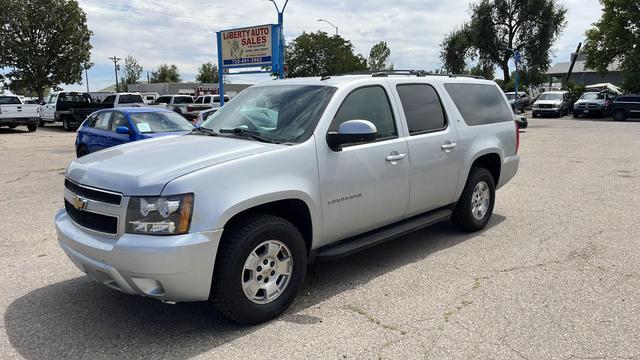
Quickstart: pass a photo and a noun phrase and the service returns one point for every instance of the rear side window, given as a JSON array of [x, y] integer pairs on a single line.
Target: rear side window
[[369, 103], [422, 108], [479, 104], [163, 100]]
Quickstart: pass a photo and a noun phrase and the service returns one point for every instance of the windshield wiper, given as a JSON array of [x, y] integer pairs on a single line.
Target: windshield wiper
[[248, 134], [203, 131]]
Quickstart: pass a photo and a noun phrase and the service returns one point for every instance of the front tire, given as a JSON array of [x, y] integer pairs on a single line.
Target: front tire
[[261, 263], [475, 206], [32, 127], [619, 115]]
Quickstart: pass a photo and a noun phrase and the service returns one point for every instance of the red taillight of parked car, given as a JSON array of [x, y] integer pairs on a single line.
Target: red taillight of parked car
[[517, 137]]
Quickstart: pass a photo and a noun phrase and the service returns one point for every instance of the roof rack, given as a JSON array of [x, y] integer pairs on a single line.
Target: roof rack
[[418, 73]]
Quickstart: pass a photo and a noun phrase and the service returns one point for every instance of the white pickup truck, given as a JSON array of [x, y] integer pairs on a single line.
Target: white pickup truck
[[13, 113]]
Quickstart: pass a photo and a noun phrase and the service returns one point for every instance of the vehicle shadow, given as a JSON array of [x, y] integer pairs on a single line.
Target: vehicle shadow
[[79, 318]]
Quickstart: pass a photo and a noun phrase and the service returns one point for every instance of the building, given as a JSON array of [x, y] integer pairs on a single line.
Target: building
[[581, 75], [189, 88]]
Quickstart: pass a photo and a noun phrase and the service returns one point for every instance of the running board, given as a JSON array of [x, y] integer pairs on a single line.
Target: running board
[[379, 236]]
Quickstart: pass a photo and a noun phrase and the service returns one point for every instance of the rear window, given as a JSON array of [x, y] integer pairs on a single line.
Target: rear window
[[479, 104], [183, 100], [9, 100], [74, 98], [130, 99]]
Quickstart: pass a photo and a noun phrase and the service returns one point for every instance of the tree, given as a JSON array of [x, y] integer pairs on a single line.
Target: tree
[[615, 37], [132, 71], [317, 54], [497, 25], [378, 57], [44, 43], [208, 73], [166, 73]]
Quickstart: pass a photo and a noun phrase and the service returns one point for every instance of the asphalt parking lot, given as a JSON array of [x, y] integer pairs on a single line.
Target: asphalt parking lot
[[556, 275]]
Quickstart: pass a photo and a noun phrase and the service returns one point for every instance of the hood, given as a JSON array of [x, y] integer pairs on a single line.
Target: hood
[[161, 134], [590, 101], [548, 102], [145, 167]]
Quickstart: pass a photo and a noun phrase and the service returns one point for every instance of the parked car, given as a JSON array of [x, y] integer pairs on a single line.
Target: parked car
[[14, 113], [125, 100], [177, 103], [519, 102], [235, 211], [204, 115], [150, 97], [592, 103], [71, 108], [551, 103], [207, 102], [107, 128], [626, 106]]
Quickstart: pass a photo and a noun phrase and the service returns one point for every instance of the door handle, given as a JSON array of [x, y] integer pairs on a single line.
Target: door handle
[[447, 146], [395, 156]]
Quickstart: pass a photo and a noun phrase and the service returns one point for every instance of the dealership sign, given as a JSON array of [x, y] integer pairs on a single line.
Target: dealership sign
[[253, 46]]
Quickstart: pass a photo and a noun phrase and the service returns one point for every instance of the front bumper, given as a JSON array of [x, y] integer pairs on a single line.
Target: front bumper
[[543, 111], [509, 169], [19, 121], [170, 268]]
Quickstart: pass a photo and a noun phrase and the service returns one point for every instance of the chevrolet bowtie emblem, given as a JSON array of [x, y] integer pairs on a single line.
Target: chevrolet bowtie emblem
[[79, 203]]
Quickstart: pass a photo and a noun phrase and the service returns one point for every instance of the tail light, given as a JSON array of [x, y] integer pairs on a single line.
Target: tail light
[[517, 136]]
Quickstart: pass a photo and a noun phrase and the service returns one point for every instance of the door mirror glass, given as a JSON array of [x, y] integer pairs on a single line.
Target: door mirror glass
[[122, 130], [42, 103], [352, 132]]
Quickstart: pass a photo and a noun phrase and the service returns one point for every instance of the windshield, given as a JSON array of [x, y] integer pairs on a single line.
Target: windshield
[[284, 114], [157, 122], [511, 96], [130, 99], [550, 97], [591, 96]]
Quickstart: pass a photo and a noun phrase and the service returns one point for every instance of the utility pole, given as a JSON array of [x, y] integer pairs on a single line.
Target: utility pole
[[280, 25], [148, 78], [86, 77], [115, 68], [330, 23]]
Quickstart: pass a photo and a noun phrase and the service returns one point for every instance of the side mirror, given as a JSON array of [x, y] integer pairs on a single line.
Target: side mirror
[[352, 132], [122, 130], [43, 103]]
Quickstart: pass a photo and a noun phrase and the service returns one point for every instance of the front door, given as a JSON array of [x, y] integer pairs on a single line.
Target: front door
[[117, 120], [48, 110], [364, 186]]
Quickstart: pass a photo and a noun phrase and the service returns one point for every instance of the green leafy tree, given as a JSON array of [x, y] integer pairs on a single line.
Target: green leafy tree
[[43, 43], [616, 37], [497, 25], [208, 73], [166, 73], [132, 71], [484, 70], [575, 90], [317, 54], [378, 57]]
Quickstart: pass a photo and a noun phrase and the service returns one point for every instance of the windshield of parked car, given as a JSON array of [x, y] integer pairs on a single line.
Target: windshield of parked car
[[283, 114], [511, 96], [130, 99], [550, 97], [591, 96], [9, 100], [157, 122]]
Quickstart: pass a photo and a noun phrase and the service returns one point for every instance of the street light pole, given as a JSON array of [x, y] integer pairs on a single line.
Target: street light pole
[[330, 23], [115, 68], [281, 45], [516, 60]]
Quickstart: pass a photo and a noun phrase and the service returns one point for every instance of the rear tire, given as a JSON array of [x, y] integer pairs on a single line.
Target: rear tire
[[473, 210], [233, 277], [32, 127], [65, 124], [619, 115]]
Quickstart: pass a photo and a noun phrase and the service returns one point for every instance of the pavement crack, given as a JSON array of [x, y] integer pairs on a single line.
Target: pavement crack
[[374, 320]]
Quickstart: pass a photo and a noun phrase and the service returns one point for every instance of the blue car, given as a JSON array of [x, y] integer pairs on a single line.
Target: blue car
[[111, 127]]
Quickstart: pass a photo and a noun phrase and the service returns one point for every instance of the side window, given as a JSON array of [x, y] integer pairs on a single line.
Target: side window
[[102, 122], [52, 99], [163, 100], [422, 108], [109, 99], [479, 104], [207, 99], [368, 103], [118, 119], [91, 121]]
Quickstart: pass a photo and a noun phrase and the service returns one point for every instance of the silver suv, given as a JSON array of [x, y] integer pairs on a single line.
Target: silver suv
[[287, 172]]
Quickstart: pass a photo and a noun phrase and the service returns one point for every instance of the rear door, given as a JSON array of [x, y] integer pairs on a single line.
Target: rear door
[[432, 141], [634, 106], [101, 133]]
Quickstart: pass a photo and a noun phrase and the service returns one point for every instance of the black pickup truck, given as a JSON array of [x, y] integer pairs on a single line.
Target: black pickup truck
[[625, 106], [70, 108]]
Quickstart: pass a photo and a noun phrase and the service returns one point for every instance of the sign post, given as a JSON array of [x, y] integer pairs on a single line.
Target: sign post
[[257, 46]]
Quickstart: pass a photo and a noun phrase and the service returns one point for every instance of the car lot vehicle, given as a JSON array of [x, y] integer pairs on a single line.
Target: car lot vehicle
[[288, 171], [149, 97], [592, 103], [177, 103], [125, 100], [14, 113], [625, 106], [207, 102], [107, 128], [518, 102], [71, 108], [554, 103]]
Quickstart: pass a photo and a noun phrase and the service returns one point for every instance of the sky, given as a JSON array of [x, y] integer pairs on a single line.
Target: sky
[[183, 32]]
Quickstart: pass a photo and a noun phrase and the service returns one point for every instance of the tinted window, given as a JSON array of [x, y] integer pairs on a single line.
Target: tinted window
[[368, 103], [183, 100], [109, 99], [73, 98], [103, 120], [9, 100], [118, 120], [130, 99], [207, 99], [163, 100], [479, 104], [422, 108]]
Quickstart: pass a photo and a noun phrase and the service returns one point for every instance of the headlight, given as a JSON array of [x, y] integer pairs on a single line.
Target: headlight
[[167, 215]]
